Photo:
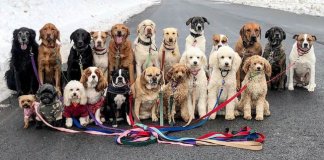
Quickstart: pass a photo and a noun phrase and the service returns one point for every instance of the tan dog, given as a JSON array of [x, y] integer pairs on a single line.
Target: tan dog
[[178, 86], [146, 92], [49, 57], [254, 97], [120, 51], [27, 102], [100, 51], [170, 48], [248, 45]]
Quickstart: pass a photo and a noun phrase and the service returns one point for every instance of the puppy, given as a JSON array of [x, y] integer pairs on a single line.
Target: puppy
[[100, 51], [117, 97], [170, 48], [226, 63], [120, 51], [95, 84], [20, 76], [196, 37], [75, 101], [50, 106], [275, 54], [49, 58], [178, 86], [28, 102], [196, 61], [254, 96], [146, 92], [219, 40], [80, 56], [248, 45], [303, 55]]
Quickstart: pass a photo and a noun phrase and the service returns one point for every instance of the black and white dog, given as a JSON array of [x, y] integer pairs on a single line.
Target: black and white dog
[[80, 56], [196, 37], [117, 97], [20, 76], [275, 54]]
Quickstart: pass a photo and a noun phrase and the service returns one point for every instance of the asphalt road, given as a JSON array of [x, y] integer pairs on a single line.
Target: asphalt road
[[295, 130]]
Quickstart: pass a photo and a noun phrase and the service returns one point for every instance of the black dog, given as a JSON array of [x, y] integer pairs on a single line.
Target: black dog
[[20, 76], [117, 97], [197, 25], [80, 56], [275, 54], [50, 107]]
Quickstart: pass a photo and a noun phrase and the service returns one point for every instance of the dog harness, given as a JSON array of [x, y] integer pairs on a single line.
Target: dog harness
[[28, 112], [100, 51], [51, 112], [118, 90], [94, 107]]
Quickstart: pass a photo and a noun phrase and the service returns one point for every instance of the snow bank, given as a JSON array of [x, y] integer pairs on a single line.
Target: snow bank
[[310, 7], [66, 15]]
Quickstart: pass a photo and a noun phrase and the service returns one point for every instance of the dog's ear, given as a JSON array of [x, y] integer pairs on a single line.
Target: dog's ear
[[314, 38], [108, 33], [15, 33], [58, 35], [205, 20], [83, 96], [84, 79], [66, 98], [267, 67], [237, 60], [189, 21], [213, 61], [260, 33], [88, 38], [143, 80], [168, 76], [72, 36], [102, 83], [283, 33], [19, 101], [267, 34], [204, 60], [295, 36], [127, 31], [41, 34], [32, 35], [91, 33], [242, 32], [246, 65], [183, 59]]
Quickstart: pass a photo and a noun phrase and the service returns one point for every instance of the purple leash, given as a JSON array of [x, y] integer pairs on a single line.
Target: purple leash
[[34, 67]]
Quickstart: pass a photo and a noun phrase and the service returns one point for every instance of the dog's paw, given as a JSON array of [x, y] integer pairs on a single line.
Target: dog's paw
[[229, 117], [291, 87], [213, 116], [311, 87], [115, 125], [259, 118], [267, 113], [68, 123], [237, 113], [102, 119], [26, 126], [154, 118], [247, 117]]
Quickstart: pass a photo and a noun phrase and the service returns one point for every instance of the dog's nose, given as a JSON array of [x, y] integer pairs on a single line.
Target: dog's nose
[[119, 33], [149, 30], [195, 62], [253, 38], [48, 34], [120, 78], [80, 43], [277, 35], [170, 40], [93, 76], [23, 38], [99, 43], [74, 94], [219, 46], [199, 27], [305, 45], [226, 63], [154, 78], [258, 68]]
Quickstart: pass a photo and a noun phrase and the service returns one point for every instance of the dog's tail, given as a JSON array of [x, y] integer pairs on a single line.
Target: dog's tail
[[10, 78]]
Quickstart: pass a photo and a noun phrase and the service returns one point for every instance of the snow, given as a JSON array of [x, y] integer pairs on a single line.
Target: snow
[[310, 7], [66, 15]]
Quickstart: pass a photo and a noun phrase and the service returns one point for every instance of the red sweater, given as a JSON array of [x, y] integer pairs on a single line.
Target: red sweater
[[75, 111]]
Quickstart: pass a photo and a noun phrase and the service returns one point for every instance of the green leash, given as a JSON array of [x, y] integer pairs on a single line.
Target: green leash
[[161, 108]]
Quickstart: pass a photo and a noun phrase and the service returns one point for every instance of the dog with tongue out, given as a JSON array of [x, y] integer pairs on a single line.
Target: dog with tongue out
[[120, 51]]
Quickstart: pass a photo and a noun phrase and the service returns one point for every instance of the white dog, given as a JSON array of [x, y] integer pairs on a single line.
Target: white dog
[[145, 50], [303, 72], [195, 59], [75, 101], [100, 50], [225, 62], [196, 37]]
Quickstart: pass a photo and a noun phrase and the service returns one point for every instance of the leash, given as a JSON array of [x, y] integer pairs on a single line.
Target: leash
[[34, 66]]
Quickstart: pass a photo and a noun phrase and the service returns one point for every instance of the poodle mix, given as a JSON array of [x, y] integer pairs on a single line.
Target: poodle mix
[[226, 63], [254, 97], [28, 102], [178, 86], [95, 84], [196, 61], [75, 101]]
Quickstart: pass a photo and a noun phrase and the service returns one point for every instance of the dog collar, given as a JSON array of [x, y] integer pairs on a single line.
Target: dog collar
[[194, 72], [195, 35], [118, 90], [81, 49], [143, 42], [224, 71], [302, 51], [100, 51]]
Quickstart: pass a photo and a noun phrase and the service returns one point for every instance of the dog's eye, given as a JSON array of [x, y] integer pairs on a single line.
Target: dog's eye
[[198, 57], [223, 41], [123, 27], [230, 57], [217, 41], [71, 89], [27, 33], [167, 33], [190, 57], [173, 33], [28, 101], [115, 27], [302, 39], [102, 37], [222, 57], [149, 75], [256, 30], [308, 39], [254, 63], [77, 89], [157, 75], [248, 30]]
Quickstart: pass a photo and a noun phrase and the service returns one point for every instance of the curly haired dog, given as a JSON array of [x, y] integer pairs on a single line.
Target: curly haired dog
[[254, 97], [28, 102], [226, 63], [75, 101], [95, 83], [178, 86]]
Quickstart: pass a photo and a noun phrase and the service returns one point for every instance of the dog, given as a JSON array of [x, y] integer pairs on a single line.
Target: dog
[[120, 51], [50, 107], [170, 48], [196, 36], [226, 62], [75, 101], [100, 51], [49, 58], [117, 97], [28, 102], [178, 85], [254, 96], [146, 92], [20, 76], [275, 54], [145, 50], [219, 40], [95, 84], [248, 45], [80, 56], [196, 61], [303, 55]]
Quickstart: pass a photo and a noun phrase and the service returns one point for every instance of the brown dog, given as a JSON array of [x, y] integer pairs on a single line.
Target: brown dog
[[120, 51], [248, 45], [49, 57], [28, 102]]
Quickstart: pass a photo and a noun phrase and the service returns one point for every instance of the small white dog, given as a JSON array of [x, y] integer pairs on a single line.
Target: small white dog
[[195, 59], [303, 72], [226, 63], [145, 50], [75, 101], [196, 37]]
